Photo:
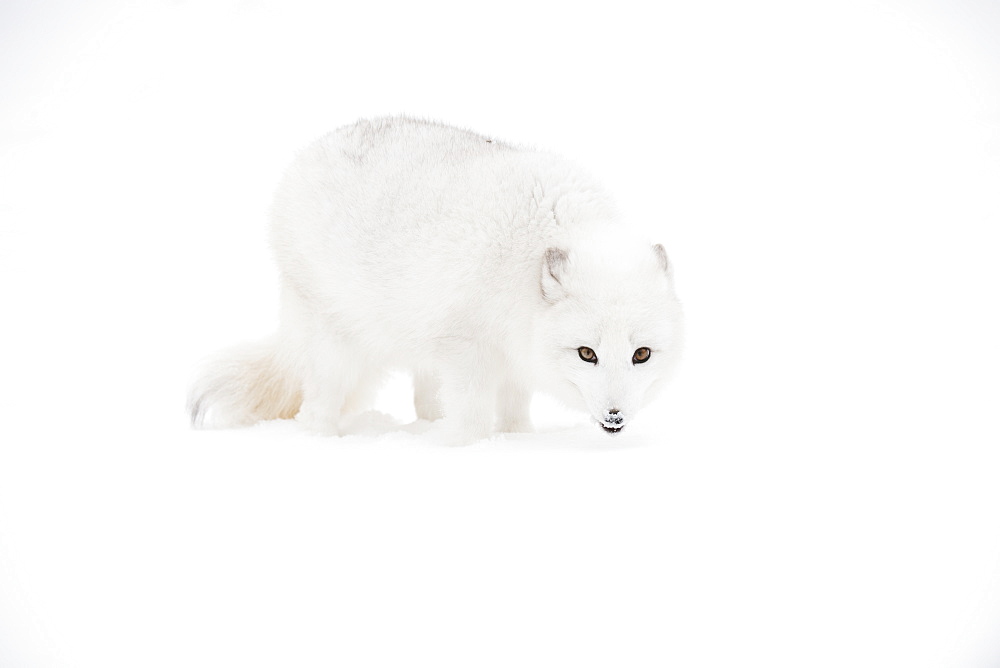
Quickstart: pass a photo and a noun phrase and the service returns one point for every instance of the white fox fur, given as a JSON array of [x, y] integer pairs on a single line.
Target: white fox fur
[[481, 267]]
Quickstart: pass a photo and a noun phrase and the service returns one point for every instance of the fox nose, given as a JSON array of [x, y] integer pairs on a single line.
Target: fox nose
[[613, 421]]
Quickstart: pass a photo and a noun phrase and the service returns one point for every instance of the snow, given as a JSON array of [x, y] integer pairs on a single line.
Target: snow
[[818, 487]]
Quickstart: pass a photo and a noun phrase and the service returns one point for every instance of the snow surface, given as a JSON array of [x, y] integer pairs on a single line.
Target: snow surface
[[819, 486]]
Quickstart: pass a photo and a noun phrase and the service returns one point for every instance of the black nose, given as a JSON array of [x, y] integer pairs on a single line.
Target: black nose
[[614, 417]]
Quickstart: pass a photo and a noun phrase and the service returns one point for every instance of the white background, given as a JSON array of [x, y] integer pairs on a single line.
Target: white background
[[818, 487]]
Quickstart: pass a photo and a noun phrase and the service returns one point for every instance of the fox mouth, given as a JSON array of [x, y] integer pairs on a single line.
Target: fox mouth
[[610, 430]]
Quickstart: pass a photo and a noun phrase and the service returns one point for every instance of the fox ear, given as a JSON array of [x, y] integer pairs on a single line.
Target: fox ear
[[553, 271], [661, 255]]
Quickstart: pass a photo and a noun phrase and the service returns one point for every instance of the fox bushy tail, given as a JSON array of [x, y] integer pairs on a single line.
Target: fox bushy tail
[[244, 385]]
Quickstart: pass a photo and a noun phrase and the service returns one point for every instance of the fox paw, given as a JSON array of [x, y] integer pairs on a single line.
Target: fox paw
[[319, 422]]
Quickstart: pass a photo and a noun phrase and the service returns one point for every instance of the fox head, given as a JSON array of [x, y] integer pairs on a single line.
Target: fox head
[[610, 327]]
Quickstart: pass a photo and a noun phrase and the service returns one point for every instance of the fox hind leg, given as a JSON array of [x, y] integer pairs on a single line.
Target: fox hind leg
[[362, 396], [336, 381]]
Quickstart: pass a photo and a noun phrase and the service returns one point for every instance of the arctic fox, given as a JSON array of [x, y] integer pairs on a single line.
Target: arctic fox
[[485, 269]]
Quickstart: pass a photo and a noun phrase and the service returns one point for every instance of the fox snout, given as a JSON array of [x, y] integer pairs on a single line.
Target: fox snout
[[613, 421]]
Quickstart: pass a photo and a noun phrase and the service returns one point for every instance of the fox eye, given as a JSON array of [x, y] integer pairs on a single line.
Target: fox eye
[[587, 355], [641, 355]]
